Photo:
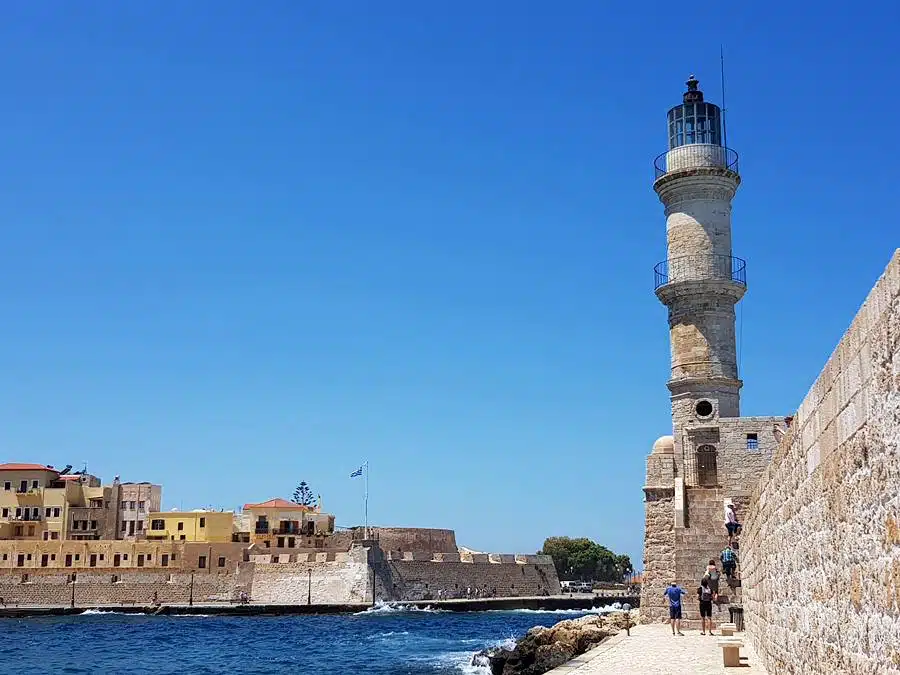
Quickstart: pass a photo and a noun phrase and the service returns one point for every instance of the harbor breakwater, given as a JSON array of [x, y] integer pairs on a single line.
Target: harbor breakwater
[[73, 574]]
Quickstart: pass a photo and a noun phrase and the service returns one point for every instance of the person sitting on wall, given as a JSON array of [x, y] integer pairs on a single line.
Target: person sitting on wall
[[712, 576], [729, 561], [731, 522]]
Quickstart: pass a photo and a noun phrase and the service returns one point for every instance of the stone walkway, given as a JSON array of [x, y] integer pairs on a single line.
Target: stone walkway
[[652, 650]]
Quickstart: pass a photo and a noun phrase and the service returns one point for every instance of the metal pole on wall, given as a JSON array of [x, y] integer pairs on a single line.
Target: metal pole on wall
[[72, 604], [366, 507], [309, 588], [191, 595]]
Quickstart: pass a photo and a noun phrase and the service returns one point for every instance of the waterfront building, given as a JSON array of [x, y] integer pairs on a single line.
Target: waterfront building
[[713, 455], [192, 526], [135, 502], [43, 503], [279, 523]]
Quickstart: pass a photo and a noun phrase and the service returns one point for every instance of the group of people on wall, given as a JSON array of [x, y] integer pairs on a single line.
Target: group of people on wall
[[708, 590]]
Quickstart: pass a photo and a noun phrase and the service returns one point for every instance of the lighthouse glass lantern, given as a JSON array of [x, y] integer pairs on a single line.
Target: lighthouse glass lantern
[[694, 121]]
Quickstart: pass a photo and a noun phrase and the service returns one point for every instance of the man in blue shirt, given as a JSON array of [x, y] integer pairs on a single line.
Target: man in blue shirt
[[673, 593]]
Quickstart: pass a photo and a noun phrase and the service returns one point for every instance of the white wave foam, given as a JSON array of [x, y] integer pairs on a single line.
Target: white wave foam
[[389, 608], [95, 612]]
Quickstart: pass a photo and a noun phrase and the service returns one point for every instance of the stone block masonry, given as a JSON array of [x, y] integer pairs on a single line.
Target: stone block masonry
[[821, 543]]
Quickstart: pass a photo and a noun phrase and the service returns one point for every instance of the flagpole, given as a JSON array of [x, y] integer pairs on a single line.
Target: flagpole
[[366, 465]]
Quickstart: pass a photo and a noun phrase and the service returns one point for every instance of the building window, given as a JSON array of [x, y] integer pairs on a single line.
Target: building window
[[707, 473], [141, 506], [140, 560], [20, 560], [7, 486], [101, 556], [93, 560], [18, 531], [173, 556], [752, 442], [201, 562], [31, 530], [23, 486], [132, 506], [36, 513], [140, 526], [181, 538], [93, 524], [34, 485], [6, 512], [54, 535], [56, 512], [47, 512], [221, 561], [157, 524], [44, 559], [202, 522], [704, 409], [46, 536], [180, 526], [165, 560], [124, 525], [124, 556], [117, 560]]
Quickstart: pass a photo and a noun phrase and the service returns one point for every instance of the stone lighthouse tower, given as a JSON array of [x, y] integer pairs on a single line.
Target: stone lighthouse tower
[[700, 281], [713, 456]]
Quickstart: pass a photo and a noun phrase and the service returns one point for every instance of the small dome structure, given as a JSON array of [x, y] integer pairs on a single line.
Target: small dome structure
[[665, 445]]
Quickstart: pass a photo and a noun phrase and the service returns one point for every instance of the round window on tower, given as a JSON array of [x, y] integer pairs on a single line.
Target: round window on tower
[[704, 409]]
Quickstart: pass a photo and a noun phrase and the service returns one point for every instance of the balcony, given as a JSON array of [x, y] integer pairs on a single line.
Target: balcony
[[261, 529], [701, 267], [291, 531], [696, 156]]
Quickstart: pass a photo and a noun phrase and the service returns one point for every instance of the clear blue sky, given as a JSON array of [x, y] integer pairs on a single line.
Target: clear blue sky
[[246, 244]]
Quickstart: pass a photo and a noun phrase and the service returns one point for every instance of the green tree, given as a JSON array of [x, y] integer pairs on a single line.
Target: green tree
[[303, 495], [584, 560]]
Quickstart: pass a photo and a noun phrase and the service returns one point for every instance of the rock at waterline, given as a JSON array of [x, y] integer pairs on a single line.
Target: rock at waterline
[[543, 649]]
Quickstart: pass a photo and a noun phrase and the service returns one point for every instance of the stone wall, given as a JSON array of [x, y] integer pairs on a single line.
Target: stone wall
[[821, 543], [129, 586], [337, 578], [446, 576], [415, 539]]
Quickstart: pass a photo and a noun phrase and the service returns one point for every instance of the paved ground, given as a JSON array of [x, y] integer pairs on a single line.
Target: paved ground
[[652, 650]]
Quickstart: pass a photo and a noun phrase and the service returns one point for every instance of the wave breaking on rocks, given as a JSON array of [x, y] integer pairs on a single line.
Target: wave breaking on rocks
[[543, 649]]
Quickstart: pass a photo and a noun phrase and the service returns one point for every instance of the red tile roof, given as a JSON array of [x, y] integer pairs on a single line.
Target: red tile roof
[[27, 467], [278, 504]]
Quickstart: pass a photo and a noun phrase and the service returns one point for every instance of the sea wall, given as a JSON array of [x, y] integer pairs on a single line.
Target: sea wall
[[415, 539], [411, 576], [821, 543], [117, 572]]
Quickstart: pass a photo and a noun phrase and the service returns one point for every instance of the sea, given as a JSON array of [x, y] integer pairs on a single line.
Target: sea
[[383, 640]]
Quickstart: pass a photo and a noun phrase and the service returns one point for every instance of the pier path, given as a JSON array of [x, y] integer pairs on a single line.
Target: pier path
[[651, 649]]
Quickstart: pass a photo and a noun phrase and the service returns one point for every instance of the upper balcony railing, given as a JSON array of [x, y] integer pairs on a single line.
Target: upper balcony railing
[[700, 267], [696, 156]]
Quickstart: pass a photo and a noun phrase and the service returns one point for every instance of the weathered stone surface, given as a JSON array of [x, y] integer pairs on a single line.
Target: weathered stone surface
[[821, 544], [543, 649]]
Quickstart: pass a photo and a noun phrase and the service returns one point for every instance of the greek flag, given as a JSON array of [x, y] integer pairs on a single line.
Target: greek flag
[[356, 473]]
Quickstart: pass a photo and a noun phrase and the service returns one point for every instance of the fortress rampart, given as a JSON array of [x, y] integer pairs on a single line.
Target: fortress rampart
[[821, 542], [117, 572]]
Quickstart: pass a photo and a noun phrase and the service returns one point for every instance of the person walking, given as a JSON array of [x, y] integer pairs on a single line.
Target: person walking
[[712, 576], [731, 523], [705, 597], [729, 561], [673, 593]]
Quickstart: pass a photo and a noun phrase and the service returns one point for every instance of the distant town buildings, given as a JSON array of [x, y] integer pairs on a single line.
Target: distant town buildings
[[41, 503]]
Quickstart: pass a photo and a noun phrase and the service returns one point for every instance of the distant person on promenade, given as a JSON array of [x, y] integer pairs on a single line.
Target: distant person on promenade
[[712, 576], [731, 522], [673, 593], [729, 561], [705, 597]]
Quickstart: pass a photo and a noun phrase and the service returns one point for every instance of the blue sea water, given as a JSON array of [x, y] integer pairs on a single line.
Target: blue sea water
[[383, 641]]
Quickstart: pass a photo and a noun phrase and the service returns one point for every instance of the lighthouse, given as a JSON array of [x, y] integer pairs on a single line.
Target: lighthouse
[[713, 456], [700, 281]]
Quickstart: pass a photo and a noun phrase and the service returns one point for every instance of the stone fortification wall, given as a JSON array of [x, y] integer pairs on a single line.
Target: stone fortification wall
[[415, 539], [323, 578], [127, 586], [821, 543], [415, 576]]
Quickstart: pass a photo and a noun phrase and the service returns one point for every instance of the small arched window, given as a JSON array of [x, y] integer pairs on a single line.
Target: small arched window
[[707, 472]]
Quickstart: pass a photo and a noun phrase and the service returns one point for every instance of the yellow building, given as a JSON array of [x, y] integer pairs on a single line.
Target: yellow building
[[282, 524], [36, 501], [208, 526]]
